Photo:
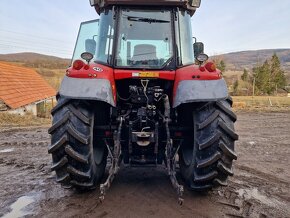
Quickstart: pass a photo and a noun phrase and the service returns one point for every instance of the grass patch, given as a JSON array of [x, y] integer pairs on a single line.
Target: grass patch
[[267, 103], [12, 120]]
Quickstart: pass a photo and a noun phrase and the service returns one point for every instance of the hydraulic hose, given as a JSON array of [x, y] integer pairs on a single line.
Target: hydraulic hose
[[166, 107]]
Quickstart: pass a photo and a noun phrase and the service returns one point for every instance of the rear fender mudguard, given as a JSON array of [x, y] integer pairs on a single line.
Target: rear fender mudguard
[[87, 89], [189, 91]]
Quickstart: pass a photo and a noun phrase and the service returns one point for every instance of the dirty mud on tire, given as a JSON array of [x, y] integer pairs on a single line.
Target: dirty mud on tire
[[259, 188]]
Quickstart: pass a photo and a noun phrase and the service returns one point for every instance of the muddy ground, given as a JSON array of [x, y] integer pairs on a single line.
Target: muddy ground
[[260, 187]]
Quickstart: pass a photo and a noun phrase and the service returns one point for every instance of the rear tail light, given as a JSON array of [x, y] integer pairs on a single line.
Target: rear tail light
[[78, 64], [210, 66], [86, 67], [202, 69]]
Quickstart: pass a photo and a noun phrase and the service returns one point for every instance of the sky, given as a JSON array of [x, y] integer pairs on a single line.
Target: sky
[[51, 26]]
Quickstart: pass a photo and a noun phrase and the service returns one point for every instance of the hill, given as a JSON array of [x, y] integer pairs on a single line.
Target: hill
[[51, 68], [35, 60], [237, 61]]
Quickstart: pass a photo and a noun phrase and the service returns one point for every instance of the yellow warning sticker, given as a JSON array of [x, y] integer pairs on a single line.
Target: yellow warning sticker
[[148, 74]]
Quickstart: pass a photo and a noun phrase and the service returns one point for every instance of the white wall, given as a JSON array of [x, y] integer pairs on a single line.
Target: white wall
[[25, 109]]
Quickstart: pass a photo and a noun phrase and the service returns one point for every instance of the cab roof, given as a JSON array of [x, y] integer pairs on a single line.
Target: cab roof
[[190, 5]]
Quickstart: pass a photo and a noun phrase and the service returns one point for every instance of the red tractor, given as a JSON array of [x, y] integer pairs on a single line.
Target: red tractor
[[141, 92]]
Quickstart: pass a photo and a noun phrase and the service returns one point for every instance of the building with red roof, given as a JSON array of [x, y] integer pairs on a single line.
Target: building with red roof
[[22, 89]]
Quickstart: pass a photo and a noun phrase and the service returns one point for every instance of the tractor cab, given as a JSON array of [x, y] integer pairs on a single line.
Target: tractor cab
[[154, 36]]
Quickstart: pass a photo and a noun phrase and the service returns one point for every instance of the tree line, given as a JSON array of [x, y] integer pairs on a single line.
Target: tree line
[[264, 79]]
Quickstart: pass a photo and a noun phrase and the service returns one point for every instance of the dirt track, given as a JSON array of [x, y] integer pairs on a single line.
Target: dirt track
[[260, 187]]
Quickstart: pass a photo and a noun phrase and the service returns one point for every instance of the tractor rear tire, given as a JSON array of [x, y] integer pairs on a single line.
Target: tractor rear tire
[[79, 160], [207, 155]]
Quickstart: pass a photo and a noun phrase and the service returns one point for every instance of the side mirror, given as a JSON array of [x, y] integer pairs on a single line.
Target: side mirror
[[198, 48], [91, 46]]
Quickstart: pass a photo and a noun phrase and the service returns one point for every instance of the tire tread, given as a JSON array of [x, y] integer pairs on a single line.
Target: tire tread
[[213, 149], [71, 145]]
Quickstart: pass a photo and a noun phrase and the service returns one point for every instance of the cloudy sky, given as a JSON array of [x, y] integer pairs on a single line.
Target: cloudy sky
[[51, 26]]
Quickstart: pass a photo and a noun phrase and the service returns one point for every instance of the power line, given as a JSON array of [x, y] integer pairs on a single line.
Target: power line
[[20, 40], [39, 46], [34, 40], [39, 50], [34, 36]]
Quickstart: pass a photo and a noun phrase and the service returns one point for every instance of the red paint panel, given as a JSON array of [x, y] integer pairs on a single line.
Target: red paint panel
[[129, 74], [95, 71], [193, 72]]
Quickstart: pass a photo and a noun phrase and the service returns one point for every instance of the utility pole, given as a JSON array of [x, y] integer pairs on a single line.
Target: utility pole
[[254, 84]]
